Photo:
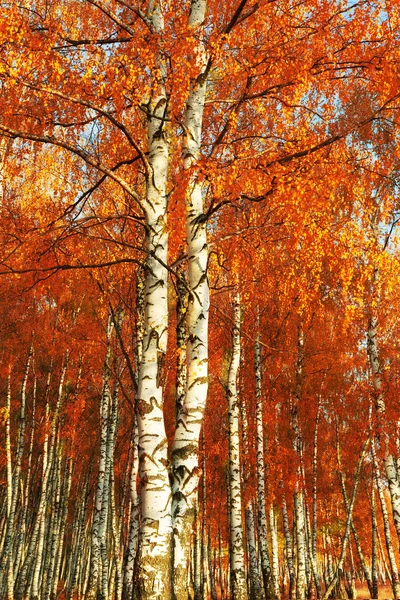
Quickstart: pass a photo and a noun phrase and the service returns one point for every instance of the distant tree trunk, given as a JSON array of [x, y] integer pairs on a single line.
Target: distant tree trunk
[[298, 505], [7, 558], [386, 526], [346, 535], [314, 502], [261, 513], [102, 491], [288, 548], [361, 557], [254, 569], [374, 571], [134, 520], [10, 515], [79, 540], [274, 551], [205, 581], [393, 477]]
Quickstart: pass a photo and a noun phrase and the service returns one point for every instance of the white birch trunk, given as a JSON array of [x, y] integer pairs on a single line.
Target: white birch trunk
[[154, 557], [237, 558], [389, 462], [10, 515], [98, 526], [274, 552], [37, 543], [261, 513], [386, 527], [301, 580], [349, 515], [254, 569], [7, 558], [288, 548], [374, 569], [134, 520], [186, 471], [21, 540]]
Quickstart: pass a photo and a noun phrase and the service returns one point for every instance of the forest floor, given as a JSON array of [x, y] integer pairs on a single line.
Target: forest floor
[[385, 592]]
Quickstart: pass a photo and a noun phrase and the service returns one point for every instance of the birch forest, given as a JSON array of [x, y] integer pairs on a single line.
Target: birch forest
[[199, 299]]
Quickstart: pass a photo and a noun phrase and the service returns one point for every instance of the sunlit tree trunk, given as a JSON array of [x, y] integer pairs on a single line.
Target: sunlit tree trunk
[[314, 502], [360, 553], [261, 513], [53, 539], [185, 466], [7, 558], [393, 477], [288, 548], [10, 516], [154, 555], [298, 506], [374, 570], [274, 551], [50, 464], [237, 558], [102, 491], [79, 539], [254, 570], [386, 526], [339, 566], [134, 520], [22, 534]]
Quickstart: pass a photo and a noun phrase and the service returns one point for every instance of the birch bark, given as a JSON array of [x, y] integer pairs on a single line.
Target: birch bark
[[254, 570], [134, 520], [261, 512], [386, 527], [186, 471], [7, 558], [10, 515], [154, 556], [237, 559], [99, 514], [346, 534]]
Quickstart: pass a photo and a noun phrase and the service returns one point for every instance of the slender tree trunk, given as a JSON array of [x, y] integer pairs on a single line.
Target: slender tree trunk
[[393, 477], [374, 572], [181, 340], [361, 557], [274, 551], [301, 581], [237, 558], [254, 570], [386, 526], [10, 516], [288, 548], [262, 517], [154, 553], [185, 466], [346, 534], [314, 503], [7, 557], [102, 491], [134, 520], [299, 516]]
